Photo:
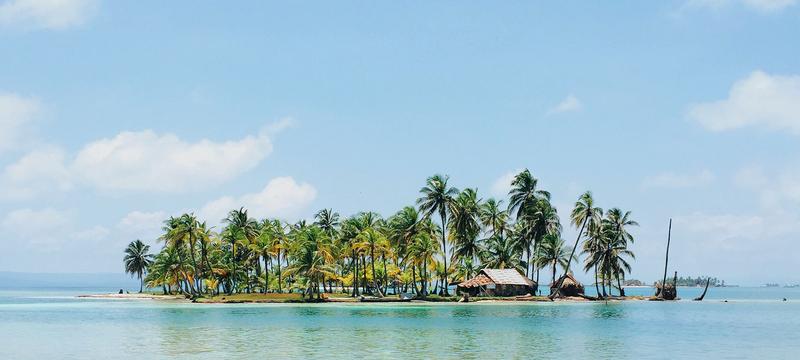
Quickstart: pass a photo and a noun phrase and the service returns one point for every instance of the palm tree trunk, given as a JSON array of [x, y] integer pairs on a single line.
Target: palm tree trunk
[[596, 280], [444, 249], [414, 278], [279, 272], [266, 274], [385, 274], [141, 282], [354, 263], [364, 274], [571, 255]]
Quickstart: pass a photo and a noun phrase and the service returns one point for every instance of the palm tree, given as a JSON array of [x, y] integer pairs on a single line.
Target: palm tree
[[553, 253], [617, 247], [502, 253], [175, 236], [465, 226], [584, 212], [137, 259], [311, 261], [494, 217], [241, 228], [524, 196], [437, 197], [593, 248], [541, 220], [371, 240], [423, 252], [402, 227]]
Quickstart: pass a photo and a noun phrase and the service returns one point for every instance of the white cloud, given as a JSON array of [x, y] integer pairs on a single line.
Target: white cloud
[[675, 180], [775, 189], [147, 161], [46, 14], [502, 185], [733, 231], [282, 198], [16, 114], [570, 103], [94, 233], [40, 171], [769, 5], [145, 226], [763, 6], [760, 99], [47, 227]]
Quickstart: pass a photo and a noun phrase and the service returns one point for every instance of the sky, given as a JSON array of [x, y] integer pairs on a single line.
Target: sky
[[116, 115]]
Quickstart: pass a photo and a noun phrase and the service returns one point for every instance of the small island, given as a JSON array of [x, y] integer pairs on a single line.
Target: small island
[[448, 239]]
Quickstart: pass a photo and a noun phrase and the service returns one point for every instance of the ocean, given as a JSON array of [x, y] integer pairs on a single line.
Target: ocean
[[51, 323]]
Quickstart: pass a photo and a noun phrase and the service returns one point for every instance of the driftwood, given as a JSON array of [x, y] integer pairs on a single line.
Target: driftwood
[[700, 298]]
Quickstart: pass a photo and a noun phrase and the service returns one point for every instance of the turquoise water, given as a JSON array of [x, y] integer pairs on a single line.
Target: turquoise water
[[53, 324]]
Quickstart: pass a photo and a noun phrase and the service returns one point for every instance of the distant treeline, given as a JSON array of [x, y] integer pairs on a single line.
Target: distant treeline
[[698, 281]]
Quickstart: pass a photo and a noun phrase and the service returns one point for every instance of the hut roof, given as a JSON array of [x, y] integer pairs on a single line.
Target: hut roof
[[507, 277], [569, 280], [477, 281], [499, 277]]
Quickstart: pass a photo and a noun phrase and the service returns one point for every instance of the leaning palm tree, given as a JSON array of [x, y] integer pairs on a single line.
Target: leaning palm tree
[[437, 197], [583, 213], [137, 260]]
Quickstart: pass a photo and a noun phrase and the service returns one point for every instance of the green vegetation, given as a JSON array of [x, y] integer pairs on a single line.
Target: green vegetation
[[137, 259], [699, 281], [448, 238]]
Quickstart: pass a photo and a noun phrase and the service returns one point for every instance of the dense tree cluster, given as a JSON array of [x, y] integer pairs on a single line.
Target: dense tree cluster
[[447, 237]]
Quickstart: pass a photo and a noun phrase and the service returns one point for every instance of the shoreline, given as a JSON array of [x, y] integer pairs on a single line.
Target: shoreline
[[295, 299]]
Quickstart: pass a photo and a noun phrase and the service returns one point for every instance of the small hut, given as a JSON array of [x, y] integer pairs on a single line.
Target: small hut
[[569, 286], [497, 282]]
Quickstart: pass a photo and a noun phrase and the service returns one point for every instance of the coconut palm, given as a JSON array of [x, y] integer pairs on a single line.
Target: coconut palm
[[552, 252], [371, 240], [311, 261], [437, 197], [494, 217], [465, 225], [584, 212], [241, 228], [543, 220], [175, 236], [502, 253], [423, 253], [137, 259], [525, 196], [402, 227], [593, 249], [617, 247]]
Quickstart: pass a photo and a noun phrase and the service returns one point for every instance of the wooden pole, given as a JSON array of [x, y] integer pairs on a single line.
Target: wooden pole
[[666, 260]]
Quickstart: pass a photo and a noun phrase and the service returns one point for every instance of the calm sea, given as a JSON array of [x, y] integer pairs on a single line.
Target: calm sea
[[53, 324]]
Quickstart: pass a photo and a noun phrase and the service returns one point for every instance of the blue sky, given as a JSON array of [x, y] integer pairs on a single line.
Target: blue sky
[[114, 115]]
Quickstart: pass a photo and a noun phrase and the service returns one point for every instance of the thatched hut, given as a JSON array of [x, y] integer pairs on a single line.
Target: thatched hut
[[497, 282], [569, 286], [669, 291]]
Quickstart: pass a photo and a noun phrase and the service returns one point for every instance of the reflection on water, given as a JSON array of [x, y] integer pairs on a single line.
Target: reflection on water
[[155, 330]]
